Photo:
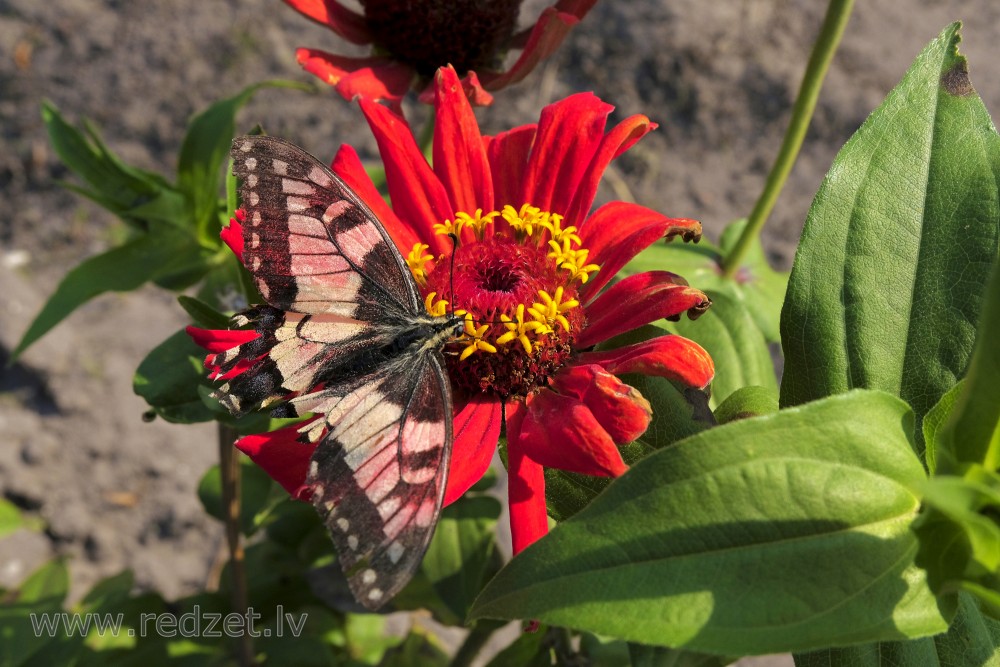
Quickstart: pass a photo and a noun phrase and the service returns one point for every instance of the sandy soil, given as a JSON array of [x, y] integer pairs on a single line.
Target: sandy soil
[[115, 491]]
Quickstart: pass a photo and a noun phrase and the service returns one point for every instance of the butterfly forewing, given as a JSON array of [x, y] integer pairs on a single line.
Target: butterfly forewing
[[310, 242], [345, 336]]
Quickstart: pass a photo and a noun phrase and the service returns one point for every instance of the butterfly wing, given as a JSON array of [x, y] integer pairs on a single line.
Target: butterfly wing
[[378, 477], [310, 242], [340, 295]]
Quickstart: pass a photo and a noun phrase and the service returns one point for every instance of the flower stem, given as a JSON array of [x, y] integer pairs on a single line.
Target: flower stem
[[229, 466], [474, 642], [837, 14]]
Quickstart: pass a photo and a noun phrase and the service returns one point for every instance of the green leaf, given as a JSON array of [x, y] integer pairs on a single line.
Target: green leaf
[[109, 591], [528, 650], [729, 332], [120, 269], [460, 552], [973, 640], [784, 532], [136, 196], [255, 488], [206, 148], [169, 378], [972, 432], [747, 402], [657, 656], [888, 281], [49, 584], [204, 315], [567, 493], [10, 517], [420, 648], [757, 287], [934, 422]]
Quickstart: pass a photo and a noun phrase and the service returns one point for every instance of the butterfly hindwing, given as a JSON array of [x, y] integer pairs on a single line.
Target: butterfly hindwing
[[310, 242], [378, 476]]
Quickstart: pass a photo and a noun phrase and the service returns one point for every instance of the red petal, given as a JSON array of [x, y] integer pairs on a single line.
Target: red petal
[[620, 409], [232, 235], [508, 154], [561, 432], [673, 357], [474, 91], [622, 137], [459, 156], [374, 77], [618, 231], [281, 455], [477, 430], [348, 24], [569, 132], [417, 194], [525, 485], [220, 340], [638, 300], [547, 34], [348, 166]]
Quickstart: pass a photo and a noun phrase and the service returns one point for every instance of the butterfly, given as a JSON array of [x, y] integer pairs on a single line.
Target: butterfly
[[344, 335]]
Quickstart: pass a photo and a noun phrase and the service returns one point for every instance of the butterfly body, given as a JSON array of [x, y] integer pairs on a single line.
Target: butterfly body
[[344, 336]]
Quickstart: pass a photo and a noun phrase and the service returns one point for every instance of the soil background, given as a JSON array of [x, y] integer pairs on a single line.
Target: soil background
[[115, 492]]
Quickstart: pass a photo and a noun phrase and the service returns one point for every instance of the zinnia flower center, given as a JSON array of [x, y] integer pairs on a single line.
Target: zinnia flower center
[[468, 34], [514, 277]]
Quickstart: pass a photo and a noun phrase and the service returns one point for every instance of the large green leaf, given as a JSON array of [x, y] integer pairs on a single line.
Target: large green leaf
[[206, 147], [169, 378], [889, 277], [789, 531], [144, 258]]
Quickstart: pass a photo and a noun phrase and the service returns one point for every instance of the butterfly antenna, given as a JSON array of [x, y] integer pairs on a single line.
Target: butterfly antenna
[[451, 271]]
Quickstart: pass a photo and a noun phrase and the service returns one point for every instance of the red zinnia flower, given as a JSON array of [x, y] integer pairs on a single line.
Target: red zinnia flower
[[529, 273], [412, 39]]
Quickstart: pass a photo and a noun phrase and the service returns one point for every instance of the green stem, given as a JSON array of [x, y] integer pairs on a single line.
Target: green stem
[[837, 14], [229, 466]]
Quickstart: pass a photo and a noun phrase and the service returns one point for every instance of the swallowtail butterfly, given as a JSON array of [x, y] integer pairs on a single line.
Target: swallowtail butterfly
[[344, 334]]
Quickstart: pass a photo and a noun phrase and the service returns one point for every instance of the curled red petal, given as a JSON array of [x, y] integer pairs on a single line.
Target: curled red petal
[[282, 456], [638, 300], [220, 340], [619, 408], [348, 166], [347, 23], [569, 133], [232, 235], [459, 155], [373, 77], [562, 432], [508, 155], [416, 192], [477, 430], [622, 137], [673, 357], [619, 231], [525, 485], [474, 91], [545, 37]]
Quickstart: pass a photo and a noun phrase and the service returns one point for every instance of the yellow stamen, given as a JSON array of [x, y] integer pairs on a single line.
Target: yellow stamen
[[518, 329], [475, 335], [552, 308], [575, 261], [558, 234], [525, 220], [437, 309], [417, 260], [476, 222], [448, 227]]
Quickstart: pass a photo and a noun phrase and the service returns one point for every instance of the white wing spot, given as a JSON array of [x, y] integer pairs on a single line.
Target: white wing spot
[[375, 594], [252, 180], [352, 542], [318, 489], [395, 551], [254, 199], [251, 163], [343, 524], [255, 240], [255, 218], [368, 576], [256, 263], [245, 146], [280, 168], [313, 468]]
